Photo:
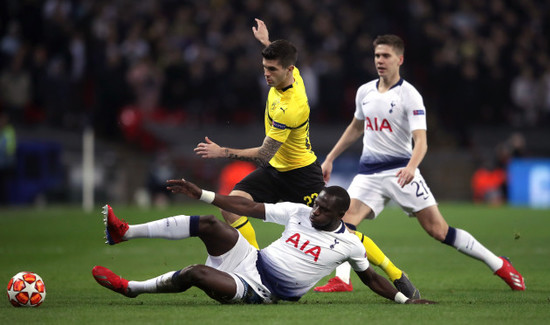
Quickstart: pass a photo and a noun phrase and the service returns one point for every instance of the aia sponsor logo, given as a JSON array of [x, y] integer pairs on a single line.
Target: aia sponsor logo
[[376, 124], [304, 246]]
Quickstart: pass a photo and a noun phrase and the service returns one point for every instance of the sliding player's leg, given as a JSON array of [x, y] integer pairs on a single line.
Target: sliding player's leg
[[219, 285], [176, 227], [217, 236], [227, 251]]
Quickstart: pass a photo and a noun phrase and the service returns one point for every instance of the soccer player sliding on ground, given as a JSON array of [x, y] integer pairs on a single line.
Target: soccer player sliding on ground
[[314, 242]]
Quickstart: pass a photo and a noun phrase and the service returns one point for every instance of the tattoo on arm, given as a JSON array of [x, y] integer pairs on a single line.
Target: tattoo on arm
[[255, 160], [268, 149], [265, 153]]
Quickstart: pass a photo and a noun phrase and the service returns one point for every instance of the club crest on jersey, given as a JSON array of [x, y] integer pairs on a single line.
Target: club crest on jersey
[[314, 251], [392, 105], [274, 104], [377, 125], [418, 112]]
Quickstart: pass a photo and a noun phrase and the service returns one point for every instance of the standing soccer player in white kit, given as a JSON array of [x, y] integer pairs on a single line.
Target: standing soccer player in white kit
[[389, 114]]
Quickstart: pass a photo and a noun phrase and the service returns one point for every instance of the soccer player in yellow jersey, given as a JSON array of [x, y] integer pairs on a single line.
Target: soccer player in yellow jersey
[[288, 168]]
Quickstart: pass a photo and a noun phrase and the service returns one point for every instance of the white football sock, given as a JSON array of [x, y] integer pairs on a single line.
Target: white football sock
[[176, 227], [342, 271], [467, 244], [159, 284]]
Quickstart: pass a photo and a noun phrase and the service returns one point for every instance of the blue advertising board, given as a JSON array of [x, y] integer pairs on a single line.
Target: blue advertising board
[[529, 182]]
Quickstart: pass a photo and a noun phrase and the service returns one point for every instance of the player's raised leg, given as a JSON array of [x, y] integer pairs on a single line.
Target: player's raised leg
[[217, 236], [432, 221], [117, 230]]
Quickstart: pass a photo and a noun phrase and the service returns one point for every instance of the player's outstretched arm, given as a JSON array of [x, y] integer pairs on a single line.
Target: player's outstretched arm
[[259, 155], [383, 287], [236, 204], [210, 149], [261, 33], [350, 135]]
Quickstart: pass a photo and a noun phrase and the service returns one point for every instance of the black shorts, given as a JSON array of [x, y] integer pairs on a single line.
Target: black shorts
[[267, 185]]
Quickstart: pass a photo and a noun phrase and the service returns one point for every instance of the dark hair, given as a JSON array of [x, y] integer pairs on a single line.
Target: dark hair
[[283, 51], [341, 196], [391, 40]]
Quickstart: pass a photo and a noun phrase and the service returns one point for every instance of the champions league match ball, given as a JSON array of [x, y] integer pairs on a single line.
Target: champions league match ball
[[26, 289]]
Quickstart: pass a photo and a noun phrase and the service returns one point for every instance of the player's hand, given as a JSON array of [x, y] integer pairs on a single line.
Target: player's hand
[[209, 149], [405, 176], [420, 302], [184, 187], [326, 166], [261, 32]]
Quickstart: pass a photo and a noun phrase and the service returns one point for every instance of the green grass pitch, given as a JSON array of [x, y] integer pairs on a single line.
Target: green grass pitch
[[62, 244]]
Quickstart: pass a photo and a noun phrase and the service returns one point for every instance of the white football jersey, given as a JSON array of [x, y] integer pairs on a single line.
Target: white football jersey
[[303, 255], [390, 118]]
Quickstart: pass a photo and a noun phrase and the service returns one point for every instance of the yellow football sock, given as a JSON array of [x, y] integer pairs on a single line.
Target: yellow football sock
[[245, 228], [378, 258]]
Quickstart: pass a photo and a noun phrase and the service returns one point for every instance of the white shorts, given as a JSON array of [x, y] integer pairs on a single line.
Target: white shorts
[[375, 190], [240, 263]]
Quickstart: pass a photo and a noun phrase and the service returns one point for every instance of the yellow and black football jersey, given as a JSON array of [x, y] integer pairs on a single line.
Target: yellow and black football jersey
[[287, 121]]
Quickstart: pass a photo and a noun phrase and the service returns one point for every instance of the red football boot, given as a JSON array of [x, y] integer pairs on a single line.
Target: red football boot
[[510, 275], [114, 227], [335, 285], [110, 280]]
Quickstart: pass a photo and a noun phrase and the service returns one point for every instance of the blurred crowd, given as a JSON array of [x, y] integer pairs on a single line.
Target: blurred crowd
[[116, 63]]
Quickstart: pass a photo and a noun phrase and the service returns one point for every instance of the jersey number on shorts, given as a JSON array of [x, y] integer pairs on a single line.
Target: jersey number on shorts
[[421, 189], [310, 198]]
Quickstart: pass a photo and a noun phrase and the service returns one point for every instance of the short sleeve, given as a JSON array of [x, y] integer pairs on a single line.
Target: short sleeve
[[358, 108], [416, 112], [358, 258], [280, 129], [280, 213]]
